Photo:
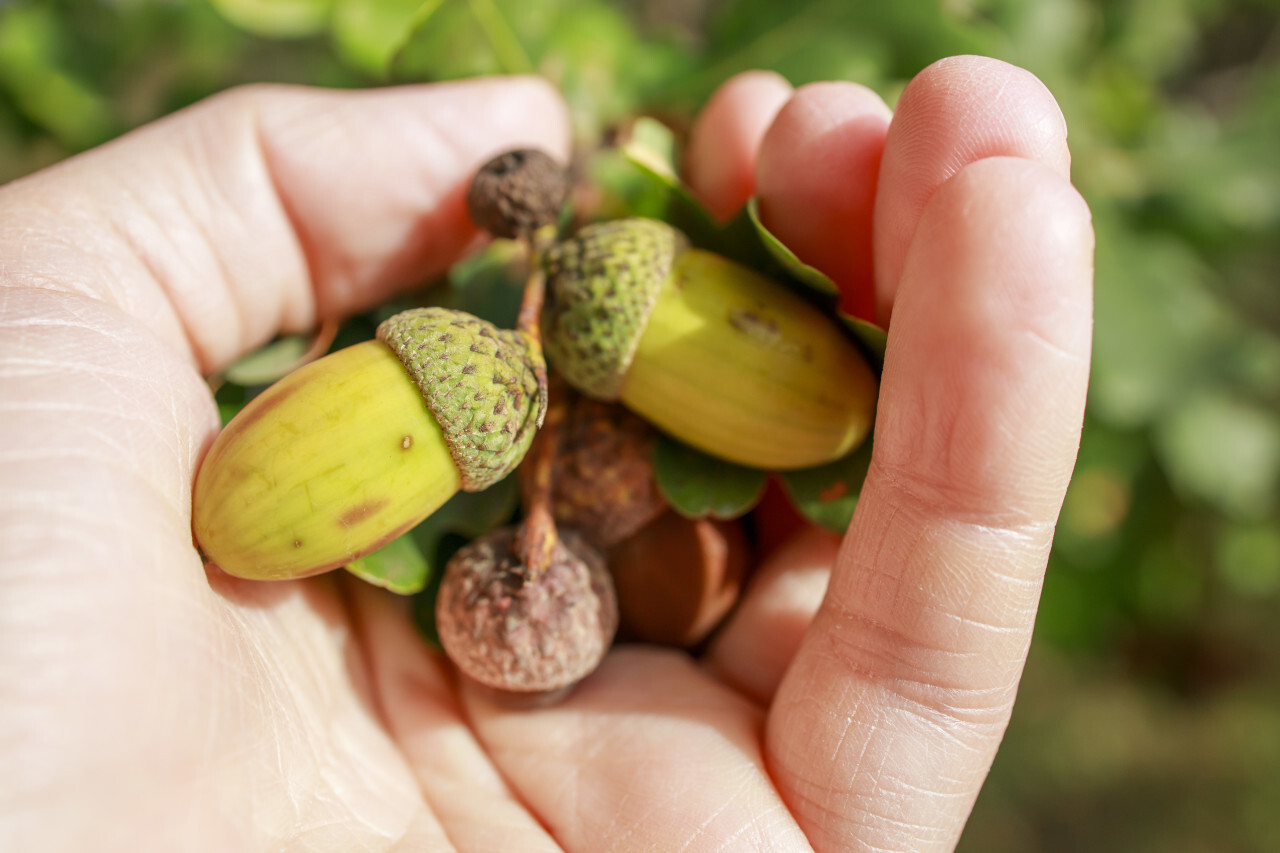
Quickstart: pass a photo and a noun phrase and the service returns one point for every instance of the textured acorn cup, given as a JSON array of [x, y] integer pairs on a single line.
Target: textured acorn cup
[[706, 349], [348, 452], [523, 633], [517, 192]]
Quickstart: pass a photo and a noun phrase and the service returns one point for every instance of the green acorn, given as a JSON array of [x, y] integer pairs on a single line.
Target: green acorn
[[709, 351], [348, 452]]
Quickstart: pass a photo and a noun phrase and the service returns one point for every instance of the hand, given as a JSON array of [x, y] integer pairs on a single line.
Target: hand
[[149, 704]]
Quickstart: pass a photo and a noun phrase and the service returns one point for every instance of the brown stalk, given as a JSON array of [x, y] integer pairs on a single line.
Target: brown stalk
[[536, 538]]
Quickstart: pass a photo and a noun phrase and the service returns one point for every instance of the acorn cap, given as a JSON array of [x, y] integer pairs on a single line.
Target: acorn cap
[[601, 288], [480, 382]]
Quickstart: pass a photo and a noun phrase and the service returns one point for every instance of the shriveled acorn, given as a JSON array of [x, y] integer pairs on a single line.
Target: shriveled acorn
[[517, 192], [520, 630], [709, 351], [348, 452], [603, 484]]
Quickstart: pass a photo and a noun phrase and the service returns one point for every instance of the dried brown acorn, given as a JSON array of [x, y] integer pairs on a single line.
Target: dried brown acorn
[[523, 631]]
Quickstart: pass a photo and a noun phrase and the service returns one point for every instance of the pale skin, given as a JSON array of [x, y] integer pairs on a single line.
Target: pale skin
[[150, 703]]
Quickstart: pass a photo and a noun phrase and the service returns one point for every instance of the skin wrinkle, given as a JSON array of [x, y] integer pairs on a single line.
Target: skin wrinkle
[[119, 233], [879, 806], [101, 422], [879, 655], [301, 249], [200, 229], [928, 642]]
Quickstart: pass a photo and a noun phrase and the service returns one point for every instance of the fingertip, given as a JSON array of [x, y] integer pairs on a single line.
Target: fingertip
[[755, 647], [526, 108], [956, 111], [720, 159], [816, 180]]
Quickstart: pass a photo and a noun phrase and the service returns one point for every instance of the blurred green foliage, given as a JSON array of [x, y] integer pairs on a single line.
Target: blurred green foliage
[[1150, 716]]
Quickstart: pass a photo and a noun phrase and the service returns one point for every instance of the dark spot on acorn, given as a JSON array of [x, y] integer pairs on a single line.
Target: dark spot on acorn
[[406, 442], [297, 543], [514, 630], [518, 192], [357, 514]]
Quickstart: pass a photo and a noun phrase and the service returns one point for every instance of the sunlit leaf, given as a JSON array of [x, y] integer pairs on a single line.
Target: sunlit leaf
[[464, 517], [697, 485], [872, 339], [505, 44], [398, 566], [796, 268], [489, 284], [651, 147], [269, 363], [1224, 451], [828, 494], [280, 357], [30, 68], [370, 33], [277, 18]]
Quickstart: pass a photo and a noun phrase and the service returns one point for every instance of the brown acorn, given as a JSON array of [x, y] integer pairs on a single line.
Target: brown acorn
[[523, 631]]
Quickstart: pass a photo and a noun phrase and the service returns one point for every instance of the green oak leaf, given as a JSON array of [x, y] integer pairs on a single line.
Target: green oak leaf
[[489, 284], [411, 563], [827, 494], [276, 18], [871, 339], [465, 516], [794, 267], [398, 566], [370, 34], [650, 149], [697, 485], [268, 363]]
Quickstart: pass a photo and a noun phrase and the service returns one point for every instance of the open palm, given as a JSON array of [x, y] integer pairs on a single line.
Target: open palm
[[149, 703]]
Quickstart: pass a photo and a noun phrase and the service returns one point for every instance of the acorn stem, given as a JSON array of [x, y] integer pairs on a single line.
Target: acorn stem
[[528, 321], [537, 536]]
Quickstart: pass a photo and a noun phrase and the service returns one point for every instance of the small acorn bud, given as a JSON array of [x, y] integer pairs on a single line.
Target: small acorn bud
[[603, 485], [523, 632], [348, 452], [705, 349], [517, 192]]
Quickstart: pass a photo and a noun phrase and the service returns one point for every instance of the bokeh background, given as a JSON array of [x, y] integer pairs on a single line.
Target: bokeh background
[[1149, 718]]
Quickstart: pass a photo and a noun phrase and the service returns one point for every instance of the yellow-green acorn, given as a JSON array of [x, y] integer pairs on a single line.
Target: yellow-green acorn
[[713, 353], [348, 452]]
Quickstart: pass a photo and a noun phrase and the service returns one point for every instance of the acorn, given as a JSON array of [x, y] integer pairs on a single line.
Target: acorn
[[517, 192], [522, 630], [706, 349], [348, 452], [603, 484]]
